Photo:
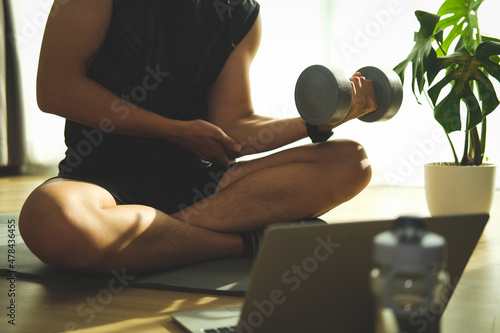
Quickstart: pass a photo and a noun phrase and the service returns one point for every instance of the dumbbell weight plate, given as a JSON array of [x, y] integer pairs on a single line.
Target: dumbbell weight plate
[[389, 93], [323, 95]]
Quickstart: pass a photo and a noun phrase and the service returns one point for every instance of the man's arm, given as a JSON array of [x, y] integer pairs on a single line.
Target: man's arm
[[230, 103], [73, 38]]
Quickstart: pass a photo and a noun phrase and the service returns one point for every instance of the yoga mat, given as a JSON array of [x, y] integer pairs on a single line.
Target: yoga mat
[[227, 277]]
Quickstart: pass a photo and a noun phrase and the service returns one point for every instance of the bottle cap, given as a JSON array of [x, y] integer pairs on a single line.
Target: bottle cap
[[409, 247]]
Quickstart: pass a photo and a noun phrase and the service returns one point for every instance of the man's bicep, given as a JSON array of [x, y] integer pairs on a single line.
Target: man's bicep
[[230, 98], [73, 35]]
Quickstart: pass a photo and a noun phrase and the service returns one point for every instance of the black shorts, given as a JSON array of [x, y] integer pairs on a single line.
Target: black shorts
[[169, 192]]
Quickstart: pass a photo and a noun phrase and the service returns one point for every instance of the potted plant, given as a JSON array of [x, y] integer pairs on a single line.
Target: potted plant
[[450, 44]]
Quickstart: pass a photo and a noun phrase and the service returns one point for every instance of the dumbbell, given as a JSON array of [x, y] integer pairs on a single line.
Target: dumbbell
[[324, 95]]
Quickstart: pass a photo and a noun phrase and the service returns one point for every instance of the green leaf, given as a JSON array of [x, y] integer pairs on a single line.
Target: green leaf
[[447, 113], [489, 39], [495, 59], [488, 53], [422, 53], [461, 17], [467, 69], [487, 94]]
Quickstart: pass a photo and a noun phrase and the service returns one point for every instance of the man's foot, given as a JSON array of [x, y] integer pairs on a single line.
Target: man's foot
[[252, 239]]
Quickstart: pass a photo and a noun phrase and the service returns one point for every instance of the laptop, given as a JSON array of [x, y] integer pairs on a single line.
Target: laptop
[[317, 278]]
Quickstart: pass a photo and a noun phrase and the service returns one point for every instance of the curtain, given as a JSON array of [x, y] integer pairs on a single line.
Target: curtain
[[12, 146]]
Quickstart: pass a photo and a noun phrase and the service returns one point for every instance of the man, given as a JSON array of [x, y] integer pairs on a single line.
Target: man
[[152, 90]]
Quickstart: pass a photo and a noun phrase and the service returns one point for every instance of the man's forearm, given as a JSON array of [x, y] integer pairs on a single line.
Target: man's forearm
[[84, 101], [257, 134]]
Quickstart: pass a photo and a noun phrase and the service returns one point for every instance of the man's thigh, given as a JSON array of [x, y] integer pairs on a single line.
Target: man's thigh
[[58, 199], [310, 153], [60, 208], [65, 191]]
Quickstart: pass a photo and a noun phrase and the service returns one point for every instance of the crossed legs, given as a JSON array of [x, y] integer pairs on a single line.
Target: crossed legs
[[79, 225], [294, 184]]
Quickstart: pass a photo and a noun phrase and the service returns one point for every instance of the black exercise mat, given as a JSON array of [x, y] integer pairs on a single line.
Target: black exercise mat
[[218, 277]]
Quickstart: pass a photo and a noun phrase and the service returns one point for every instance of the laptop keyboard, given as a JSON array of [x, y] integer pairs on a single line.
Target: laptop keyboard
[[221, 330]]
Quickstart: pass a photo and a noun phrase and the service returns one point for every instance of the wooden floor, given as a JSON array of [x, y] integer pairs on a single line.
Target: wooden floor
[[15, 190], [47, 306]]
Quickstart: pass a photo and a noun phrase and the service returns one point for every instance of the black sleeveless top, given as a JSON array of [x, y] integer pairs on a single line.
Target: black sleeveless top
[[161, 55]]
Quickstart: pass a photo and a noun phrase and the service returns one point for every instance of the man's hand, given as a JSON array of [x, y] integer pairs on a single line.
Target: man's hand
[[207, 141], [364, 100]]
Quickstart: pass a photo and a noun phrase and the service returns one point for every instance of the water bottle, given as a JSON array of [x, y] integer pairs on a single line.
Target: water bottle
[[409, 278]]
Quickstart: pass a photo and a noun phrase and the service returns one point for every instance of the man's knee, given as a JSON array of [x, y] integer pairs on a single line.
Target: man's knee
[[347, 159], [50, 229]]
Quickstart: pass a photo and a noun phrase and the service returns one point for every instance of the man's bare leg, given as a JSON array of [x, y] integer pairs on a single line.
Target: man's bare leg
[[79, 225], [291, 185]]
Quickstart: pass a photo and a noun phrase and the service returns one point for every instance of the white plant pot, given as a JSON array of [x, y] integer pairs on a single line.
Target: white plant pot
[[451, 189]]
